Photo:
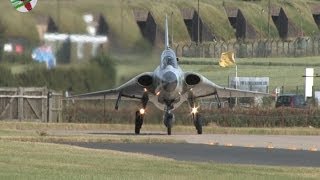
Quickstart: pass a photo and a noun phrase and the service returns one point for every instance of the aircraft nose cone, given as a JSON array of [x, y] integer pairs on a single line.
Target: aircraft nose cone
[[170, 81]]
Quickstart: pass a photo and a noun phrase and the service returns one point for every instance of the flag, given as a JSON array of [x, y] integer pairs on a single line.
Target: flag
[[227, 59]]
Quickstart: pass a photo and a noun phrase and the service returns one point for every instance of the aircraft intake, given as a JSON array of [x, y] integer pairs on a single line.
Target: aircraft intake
[[145, 80], [192, 79]]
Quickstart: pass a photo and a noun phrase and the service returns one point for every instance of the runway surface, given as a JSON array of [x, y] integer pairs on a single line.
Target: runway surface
[[218, 154], [288, 142]]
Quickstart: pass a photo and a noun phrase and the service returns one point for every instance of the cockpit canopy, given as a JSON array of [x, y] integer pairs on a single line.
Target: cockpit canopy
[[168, 58]]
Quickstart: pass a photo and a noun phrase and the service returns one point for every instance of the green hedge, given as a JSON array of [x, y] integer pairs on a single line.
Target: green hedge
[[96, 75], [93, 112]]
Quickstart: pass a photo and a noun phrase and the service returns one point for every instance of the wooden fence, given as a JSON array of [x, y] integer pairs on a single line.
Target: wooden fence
[[30, 104]]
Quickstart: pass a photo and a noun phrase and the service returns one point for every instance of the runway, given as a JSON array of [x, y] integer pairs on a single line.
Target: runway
[[289, 142], [217, 154]]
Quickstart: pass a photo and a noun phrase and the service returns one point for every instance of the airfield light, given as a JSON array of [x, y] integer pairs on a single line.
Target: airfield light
[[194, 110], [142, 111]]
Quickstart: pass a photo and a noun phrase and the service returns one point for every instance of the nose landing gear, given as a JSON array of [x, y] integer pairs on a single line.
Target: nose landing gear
[[168, 121]]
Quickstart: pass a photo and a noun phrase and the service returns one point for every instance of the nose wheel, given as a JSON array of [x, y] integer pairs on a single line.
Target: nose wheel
[[168, 121], [138, 122]]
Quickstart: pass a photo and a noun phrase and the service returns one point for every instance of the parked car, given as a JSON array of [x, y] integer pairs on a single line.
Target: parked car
[[291, 100]]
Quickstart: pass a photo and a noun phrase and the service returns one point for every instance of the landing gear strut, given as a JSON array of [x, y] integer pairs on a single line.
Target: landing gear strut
[[168, 121], [138, 122]]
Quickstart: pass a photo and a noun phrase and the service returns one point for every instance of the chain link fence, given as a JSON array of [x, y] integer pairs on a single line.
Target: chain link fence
[[301, 46]]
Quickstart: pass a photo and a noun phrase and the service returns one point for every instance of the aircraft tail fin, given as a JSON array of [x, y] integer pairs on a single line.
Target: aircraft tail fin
[[167, 46]]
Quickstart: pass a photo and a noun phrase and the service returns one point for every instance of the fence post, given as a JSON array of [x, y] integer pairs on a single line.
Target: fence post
[[44, 106], [49, 118], [20, 104]]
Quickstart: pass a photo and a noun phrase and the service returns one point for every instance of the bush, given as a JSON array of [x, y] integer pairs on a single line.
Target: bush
[[96, 75], [6, 77]]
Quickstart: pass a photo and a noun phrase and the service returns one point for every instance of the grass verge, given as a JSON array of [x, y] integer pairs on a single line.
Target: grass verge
[[43, 130], [286, 72], [21, 160]]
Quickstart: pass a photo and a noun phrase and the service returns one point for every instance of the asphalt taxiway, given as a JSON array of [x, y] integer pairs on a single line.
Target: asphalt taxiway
[[216, 153], [289, 142], [277, 150]]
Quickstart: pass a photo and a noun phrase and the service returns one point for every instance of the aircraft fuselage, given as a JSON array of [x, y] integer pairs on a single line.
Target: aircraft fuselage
[[168, 81]]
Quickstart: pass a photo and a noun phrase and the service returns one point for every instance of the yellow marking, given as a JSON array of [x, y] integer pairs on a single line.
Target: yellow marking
[[293, 148], [270, 146], [213, 143], [250, 146], [313, 149]]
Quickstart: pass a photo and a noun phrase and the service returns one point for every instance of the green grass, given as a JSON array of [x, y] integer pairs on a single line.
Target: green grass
[[285, 72], [50, 161], [34, 130], [282, 71]]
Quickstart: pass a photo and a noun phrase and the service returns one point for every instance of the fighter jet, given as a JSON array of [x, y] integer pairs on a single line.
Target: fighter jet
[[167, 87]]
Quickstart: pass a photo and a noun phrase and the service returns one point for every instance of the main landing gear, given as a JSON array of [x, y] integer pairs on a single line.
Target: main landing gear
[[196, 117], [197, 121], [139, 121], [140, 114]]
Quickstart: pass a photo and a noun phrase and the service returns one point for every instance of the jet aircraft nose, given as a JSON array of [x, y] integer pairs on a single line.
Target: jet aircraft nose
[[170, 81]]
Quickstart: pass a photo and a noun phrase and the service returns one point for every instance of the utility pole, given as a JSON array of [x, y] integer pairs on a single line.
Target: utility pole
[[121, 12], [198, 22], [269, 15], [301, 31], [58, 13], [261, 13]]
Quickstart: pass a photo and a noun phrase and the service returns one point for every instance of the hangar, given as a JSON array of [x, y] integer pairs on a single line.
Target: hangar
[[243, 30], [316, 15], [191, 18], [147, 25]]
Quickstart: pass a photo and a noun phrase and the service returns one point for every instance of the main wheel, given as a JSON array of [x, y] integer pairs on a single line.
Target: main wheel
[[138, 122], [198, 123], [169, 130], [137, 130]]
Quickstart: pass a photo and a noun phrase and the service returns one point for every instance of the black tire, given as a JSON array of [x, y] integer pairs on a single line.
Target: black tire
[[137, 130], [138, 123], [168, 122], [199, 129], [198, 124], [169, 130]]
